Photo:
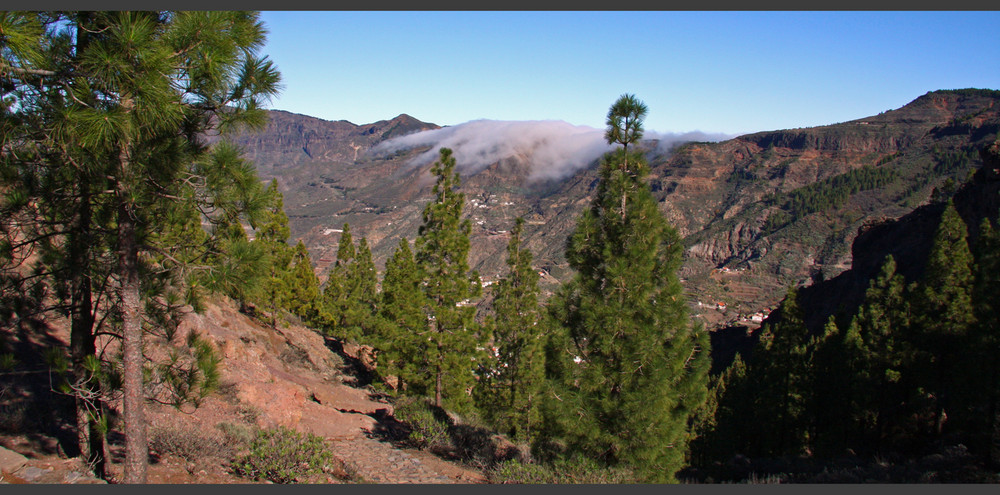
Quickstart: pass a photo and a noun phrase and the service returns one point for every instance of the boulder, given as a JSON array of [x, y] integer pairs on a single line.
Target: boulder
[[11, 461]]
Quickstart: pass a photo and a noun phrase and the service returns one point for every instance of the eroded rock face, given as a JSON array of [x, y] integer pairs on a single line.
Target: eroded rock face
[[284, 376], [290, 139], [739, 242]]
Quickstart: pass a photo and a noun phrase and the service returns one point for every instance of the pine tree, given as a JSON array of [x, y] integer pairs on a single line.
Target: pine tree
[[883, 324], [273, 233], [442, 251], [364, 294], [730, 428], [241, 267], [643, 367], [835, 398], [350, 297], [124, 97], [303, 286], [33, 54], [510, 388], [402, 334], [336, 296], [944, 316], [781, 365], [985, 341]]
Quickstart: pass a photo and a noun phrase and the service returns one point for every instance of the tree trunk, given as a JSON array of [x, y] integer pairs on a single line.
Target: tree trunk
[[438, 365], [82, 345], [132, 401], [81, 330], [993, 415], [624, 190], [437, 384], [90, 440]]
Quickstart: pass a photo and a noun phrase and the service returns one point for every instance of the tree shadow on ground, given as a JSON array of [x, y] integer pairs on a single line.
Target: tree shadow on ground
[[362, 374], [30, 407]]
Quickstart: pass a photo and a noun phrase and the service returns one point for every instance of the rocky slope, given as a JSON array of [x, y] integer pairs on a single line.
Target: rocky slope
[[907, 239], [301, 151], [725, 198], [287, 376]]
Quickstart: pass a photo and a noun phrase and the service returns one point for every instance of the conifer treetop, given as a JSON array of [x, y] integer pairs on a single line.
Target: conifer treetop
[[625, 120]]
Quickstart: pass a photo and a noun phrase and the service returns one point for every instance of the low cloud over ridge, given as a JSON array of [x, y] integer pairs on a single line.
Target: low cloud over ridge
[[556, 149]]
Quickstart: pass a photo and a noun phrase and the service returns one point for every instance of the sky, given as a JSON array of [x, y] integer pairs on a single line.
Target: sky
[[712, 72]]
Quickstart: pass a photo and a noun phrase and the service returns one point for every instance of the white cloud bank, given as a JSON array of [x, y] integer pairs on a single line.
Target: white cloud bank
[[555, 149]]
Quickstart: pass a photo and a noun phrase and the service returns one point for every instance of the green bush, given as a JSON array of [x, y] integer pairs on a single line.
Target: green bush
[[283, 455], [577, 470], [427, 429], [16, 416], [7, 362], [516, 472]]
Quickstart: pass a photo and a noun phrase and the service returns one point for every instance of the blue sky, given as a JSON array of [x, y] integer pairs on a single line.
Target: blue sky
[[715, 72]]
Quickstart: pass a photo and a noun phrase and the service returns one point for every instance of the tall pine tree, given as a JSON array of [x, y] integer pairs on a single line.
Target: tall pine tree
[[349, 298], [303, 286], [883, 325], [944, 317], [509, 391], [642, 367], [364, 290], [126, 98], [336, 292], [403, 324], [273, 233], [442, 252], [781, 365], [986, 339]]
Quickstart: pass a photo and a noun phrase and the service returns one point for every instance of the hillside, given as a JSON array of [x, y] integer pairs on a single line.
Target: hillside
[[290, 376], [907, 239], [758, 212]]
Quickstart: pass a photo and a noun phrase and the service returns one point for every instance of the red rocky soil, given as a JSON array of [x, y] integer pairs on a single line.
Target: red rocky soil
[[283, 377]]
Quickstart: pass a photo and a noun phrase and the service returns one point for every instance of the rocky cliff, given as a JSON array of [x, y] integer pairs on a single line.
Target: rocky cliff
[[907, 239]]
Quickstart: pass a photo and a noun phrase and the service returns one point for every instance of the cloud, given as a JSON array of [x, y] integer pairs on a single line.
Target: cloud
[[555, 149], [668, 141]]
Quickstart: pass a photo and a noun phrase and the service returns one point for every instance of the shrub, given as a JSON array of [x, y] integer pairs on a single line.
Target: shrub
[[576, 470], [16, 416], [477, 445], [248, 413], [516, 472], [427, 429], [189, 444], [283, 455], [237, 436]]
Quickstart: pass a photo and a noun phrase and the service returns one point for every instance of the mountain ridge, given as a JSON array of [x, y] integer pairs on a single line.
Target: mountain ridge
[[722, 197]]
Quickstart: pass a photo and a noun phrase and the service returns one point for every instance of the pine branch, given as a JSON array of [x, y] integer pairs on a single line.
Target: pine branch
[[26, 72]]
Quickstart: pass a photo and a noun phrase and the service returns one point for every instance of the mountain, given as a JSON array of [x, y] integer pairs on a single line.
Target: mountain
[[302, 152], [907, 239], [758, 212]]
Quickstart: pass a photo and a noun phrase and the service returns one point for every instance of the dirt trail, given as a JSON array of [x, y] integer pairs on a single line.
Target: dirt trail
[[379, 462]]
